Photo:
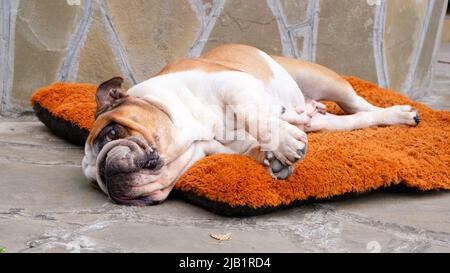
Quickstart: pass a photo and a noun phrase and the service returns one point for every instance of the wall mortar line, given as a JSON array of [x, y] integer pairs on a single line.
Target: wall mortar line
[[407, 85], [116, 45], [311, 38], [207, 25], [308, 29], [9, 15], [437, 43], [69, 66], [4, 21], [378, 45], [315, 29], [305, 24], [287, 42]]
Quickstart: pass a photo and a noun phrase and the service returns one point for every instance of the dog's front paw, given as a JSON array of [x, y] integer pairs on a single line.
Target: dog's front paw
[[288, 145], [291, 145], [276, 168]]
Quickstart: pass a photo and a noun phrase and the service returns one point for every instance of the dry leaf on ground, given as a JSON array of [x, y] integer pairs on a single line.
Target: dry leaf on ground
[[221, 237]]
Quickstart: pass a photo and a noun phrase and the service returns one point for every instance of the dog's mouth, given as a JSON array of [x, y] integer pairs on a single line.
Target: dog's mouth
[[129, 170]]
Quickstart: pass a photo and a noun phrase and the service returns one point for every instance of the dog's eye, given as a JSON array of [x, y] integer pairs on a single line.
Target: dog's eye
[[111, 135]]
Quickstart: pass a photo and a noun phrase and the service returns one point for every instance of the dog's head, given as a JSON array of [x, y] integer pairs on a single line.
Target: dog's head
[[129, 147]]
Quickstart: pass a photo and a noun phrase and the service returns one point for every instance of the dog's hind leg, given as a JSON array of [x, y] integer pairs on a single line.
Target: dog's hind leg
[[401, 115], [320, 83]]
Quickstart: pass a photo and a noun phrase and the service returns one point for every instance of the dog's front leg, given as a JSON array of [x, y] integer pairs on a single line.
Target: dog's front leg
[[281, 144]]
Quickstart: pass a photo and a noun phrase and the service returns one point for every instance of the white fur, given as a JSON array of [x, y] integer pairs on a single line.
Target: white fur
[[197, 102]]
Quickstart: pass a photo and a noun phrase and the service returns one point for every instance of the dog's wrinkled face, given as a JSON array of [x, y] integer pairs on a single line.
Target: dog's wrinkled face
[[126, 151]]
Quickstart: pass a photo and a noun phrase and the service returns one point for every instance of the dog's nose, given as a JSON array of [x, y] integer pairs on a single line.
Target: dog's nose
[[154, 161]]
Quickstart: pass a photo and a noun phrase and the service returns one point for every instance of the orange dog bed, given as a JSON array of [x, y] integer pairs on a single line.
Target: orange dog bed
[[337, 163]]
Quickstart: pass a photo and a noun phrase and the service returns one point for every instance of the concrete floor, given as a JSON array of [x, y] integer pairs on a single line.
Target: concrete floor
[[46, 205]]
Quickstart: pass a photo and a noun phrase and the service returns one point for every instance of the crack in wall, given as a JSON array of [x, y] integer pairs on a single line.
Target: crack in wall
[[33, 36]]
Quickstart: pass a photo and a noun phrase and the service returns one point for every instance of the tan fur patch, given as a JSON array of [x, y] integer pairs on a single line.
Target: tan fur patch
[[140, 118], [305, 72], [226, 58], [193, 64], [294, 66]]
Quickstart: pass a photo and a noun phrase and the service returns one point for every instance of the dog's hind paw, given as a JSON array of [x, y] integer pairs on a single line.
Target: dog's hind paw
[[417, 119], [403, 115]]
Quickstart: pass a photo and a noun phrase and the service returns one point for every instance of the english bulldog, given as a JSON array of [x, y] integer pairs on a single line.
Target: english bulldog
[[233, 99]]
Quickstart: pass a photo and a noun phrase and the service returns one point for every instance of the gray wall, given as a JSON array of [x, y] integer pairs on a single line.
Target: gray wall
[[391, 42]]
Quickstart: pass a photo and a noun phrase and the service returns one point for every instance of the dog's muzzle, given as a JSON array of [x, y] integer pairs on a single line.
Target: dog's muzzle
[[127, 167]]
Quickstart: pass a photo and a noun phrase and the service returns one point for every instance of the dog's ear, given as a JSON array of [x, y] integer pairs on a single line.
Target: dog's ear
[[108, 93]]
